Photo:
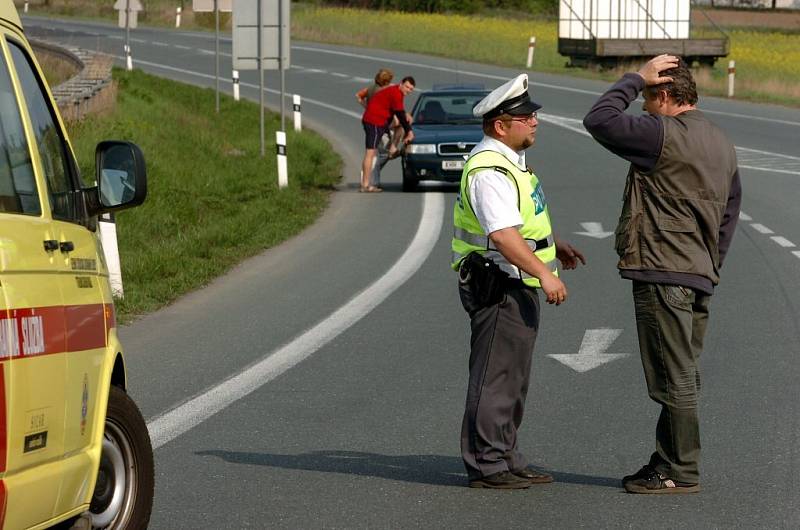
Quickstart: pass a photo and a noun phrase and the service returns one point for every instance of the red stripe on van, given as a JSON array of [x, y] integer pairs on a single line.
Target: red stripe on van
[[40, 331], [36, 331], [86, 326], [2, 503], [3, 436]]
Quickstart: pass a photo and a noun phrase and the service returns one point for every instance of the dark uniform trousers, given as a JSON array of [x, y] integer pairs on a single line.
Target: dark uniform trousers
[[503, 336], [671, 323]]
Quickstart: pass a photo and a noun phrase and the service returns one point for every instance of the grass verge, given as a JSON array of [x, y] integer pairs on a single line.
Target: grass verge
[[212, 200]]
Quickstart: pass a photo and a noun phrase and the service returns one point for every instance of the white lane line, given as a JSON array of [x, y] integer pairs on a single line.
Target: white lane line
[[568, 123], [337, 74], [350, 113], [154, 43], [362, 79], [177, 421], [138, 40], [770, 169], [767, 161], [443, 69], [782, 241], [750, 117], [182, 47]]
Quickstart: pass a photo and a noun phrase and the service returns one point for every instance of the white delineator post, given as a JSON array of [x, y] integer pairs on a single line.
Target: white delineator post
[[531, 49], [236, 85], [26, 6], [283, 170], [298, 116], [128, 60], [178, 17], [731, 76], [108, 238]]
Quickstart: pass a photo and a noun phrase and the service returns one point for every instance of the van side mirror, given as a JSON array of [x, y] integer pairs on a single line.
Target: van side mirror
[[121, 175]]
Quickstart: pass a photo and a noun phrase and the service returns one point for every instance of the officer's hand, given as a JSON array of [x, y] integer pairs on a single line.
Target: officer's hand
[[568, 255], [554, 288], [408, 138], [651, 69]]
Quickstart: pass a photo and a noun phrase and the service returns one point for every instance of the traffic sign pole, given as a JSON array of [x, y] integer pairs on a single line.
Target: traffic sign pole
[[260, 79], [216, 50]]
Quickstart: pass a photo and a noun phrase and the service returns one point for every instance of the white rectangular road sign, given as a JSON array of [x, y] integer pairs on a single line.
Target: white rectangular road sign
[[245, 34], [135, 6], [207, 6]]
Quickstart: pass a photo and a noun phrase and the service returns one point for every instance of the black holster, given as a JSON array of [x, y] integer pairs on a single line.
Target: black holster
[[481, 282]]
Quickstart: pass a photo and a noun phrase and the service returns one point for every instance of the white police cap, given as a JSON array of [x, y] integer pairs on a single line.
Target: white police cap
[[509, 98]]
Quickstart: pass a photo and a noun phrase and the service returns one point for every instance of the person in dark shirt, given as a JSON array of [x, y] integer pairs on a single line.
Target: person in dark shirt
[[381, 107], [681, 204]]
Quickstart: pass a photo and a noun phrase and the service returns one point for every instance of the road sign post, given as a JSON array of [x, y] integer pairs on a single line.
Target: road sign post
[[263, 45], [215, 6]]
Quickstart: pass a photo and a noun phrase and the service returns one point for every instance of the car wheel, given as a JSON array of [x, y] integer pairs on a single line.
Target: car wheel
[[409, 183], [123, 493]]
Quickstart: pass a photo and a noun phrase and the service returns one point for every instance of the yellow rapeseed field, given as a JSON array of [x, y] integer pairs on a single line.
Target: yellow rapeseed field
[[767, 63]]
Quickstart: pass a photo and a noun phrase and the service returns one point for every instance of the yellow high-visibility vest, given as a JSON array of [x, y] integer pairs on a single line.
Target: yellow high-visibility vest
[[468, 236]]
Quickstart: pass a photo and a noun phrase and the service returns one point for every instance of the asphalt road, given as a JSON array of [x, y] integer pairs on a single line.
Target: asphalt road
[[345, 354]]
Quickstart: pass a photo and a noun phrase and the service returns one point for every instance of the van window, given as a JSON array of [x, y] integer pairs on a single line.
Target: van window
[[52, 147], [17, 182]]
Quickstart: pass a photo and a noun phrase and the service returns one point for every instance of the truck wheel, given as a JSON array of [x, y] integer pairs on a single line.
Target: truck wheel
[[123, 494]]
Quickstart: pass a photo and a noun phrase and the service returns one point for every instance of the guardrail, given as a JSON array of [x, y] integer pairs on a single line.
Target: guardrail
[[91, 90]]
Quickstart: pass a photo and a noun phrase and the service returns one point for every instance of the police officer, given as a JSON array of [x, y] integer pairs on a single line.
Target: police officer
[[505, 252]]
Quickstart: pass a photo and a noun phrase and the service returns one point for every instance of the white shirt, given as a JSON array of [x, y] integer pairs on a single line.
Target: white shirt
[[492, 194]]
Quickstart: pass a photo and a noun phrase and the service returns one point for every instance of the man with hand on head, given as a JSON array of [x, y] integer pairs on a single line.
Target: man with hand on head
[[681, 204], [505, 252]]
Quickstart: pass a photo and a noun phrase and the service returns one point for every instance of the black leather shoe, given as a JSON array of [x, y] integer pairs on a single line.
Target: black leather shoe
[[533, 476], [503, 480]]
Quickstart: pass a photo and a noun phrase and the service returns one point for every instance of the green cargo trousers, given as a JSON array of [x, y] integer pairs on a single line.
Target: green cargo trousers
[[671, 322]]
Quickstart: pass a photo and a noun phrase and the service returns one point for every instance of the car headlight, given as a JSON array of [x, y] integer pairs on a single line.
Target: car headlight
[[421, 149]]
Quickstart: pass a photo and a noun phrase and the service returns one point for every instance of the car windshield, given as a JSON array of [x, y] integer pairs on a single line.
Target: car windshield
[[440, 109]]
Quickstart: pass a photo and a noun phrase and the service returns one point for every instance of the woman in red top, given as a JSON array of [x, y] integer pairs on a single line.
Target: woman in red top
[[381, 107]]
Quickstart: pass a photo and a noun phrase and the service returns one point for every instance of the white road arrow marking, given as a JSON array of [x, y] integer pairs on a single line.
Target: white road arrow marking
[[594, 230], [592, 352]]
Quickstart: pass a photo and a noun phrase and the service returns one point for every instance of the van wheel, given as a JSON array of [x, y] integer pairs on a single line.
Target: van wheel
[[123, 494]]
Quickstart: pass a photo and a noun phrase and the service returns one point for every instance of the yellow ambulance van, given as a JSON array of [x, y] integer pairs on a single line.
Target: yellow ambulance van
[[74, 448]]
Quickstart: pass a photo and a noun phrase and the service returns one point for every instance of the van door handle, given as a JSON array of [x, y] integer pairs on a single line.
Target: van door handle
[[67, 246], [50, 245]]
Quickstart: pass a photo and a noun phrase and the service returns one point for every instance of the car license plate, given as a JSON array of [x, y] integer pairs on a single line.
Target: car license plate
[[452, 164]]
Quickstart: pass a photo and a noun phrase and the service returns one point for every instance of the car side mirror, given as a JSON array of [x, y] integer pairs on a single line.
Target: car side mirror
[[121, 175]]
